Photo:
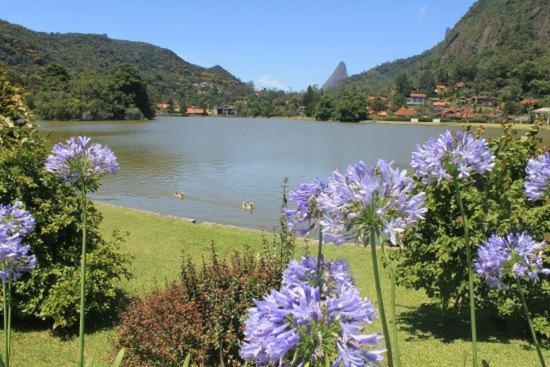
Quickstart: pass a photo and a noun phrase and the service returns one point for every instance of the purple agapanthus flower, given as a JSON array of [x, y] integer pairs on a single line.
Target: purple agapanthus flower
[[335, 274], [537, 180], [77, 159], [298, 322], [377, 198], [307, 211], [451, 155], [15, 257], [16, 218], [516, 255]]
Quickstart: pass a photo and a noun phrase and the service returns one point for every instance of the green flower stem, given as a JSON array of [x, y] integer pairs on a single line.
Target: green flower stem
[[470, 272], [6, 328], [9, 320], [393, 306], [319, 258], [379, 298], [83, 273], [528, 317]]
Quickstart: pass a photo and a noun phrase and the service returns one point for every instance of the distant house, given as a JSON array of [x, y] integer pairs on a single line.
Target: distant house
[[439, 105], [203, 86], [440, 89], [460, 85], [257, 91], [161, 106], [382, 114], [484, 101], [405, 112], [462, 113], [467, 114], [528, 101], [494, 114], [543, 113], [417, 99], [302, 111], [196, 111], [226, 110]]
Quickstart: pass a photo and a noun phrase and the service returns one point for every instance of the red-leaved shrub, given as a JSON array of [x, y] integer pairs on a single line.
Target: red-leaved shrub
[[202, 314]]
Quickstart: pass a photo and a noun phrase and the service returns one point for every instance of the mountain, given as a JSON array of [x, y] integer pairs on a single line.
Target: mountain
[[26, 53], [338, 75], [499, 47]]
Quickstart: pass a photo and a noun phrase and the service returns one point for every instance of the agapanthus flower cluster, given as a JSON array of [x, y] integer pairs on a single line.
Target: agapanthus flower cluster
[[296, 325], [452, 155], [379, 198], [15, 257], [516, 255], [307, 211], [78, 160], [335, 274], [537, 180]]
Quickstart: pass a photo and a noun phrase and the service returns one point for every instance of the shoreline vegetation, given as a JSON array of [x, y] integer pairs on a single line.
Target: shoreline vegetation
[[423, 330], [515, 126]]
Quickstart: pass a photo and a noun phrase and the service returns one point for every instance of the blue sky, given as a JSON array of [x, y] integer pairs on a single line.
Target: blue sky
[[275, 43]]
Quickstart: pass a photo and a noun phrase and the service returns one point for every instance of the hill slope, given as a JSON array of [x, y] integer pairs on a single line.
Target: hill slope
[[26, 53], [499, 47]]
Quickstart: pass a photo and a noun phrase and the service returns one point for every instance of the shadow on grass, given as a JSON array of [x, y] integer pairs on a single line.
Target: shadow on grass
[[430, 321], [94, 323]]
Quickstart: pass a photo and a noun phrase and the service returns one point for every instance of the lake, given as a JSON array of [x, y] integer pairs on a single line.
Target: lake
[[219, 162]]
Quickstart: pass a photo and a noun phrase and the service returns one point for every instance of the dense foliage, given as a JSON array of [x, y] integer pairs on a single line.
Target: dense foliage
[[202, 314], [119, 94], [351, 107], [495, 49], [51, 291], [433, 257], [27, 54]]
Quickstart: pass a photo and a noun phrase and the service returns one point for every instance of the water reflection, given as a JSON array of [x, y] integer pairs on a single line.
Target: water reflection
[[220, 162]]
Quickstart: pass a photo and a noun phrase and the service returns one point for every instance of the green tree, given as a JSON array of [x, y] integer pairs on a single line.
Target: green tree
[[403, 85], [427, 81], [129, 88], [310, 99], [325, 108], [351, 108], [50, 292]]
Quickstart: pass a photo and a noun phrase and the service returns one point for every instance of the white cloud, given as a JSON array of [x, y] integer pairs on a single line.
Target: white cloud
[[268, 82], [421, 13]]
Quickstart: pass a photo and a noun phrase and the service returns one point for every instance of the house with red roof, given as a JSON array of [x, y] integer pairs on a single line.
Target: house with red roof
[[405, 112], [196, 111], [417, 99], [440, 89], [439, 105], [528, 101]]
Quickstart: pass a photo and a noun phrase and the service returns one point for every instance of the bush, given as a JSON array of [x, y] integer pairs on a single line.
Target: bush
[[202, 314], [50, 292], [433, 257], [133, 113]]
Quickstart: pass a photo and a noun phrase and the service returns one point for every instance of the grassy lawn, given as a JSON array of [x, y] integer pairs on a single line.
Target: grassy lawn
[[428, 337]]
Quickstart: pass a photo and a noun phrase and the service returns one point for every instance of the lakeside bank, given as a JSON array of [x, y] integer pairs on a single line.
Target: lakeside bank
[[156, 244]]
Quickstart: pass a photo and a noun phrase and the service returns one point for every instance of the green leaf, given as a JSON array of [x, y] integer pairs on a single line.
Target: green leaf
[[187, 359], [118, 359]]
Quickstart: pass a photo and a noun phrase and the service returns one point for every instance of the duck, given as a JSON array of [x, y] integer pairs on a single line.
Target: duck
[[179, 195], [247, 205]]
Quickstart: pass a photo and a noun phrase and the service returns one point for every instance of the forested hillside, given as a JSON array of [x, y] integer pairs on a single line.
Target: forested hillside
[[499, 48], [75, 70]]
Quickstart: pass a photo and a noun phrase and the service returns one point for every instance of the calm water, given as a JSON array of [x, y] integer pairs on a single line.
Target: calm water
[[219, 162]]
